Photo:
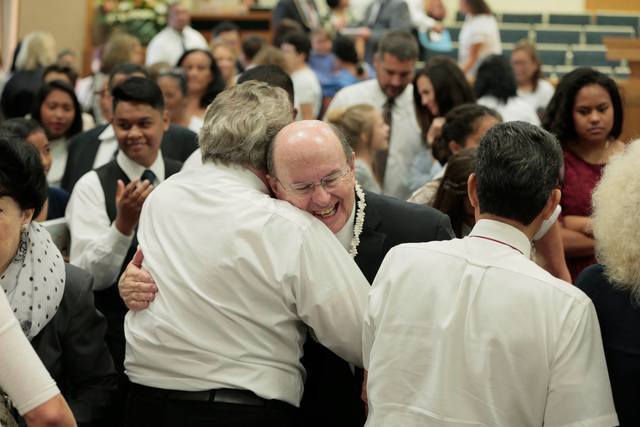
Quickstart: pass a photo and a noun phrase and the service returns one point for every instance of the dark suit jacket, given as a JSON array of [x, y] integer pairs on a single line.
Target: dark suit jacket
[[178, 143], [332, 392], [393, 15], [288, 9], [72, 348]]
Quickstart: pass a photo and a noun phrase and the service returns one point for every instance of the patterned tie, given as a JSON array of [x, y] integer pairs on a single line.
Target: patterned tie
[[380, 162], [148, 175]]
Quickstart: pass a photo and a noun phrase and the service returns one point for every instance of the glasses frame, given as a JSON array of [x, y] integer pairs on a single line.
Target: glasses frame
[[307, 188]]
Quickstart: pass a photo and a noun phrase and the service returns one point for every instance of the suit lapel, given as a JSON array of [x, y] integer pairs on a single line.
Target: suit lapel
[[370, 250]]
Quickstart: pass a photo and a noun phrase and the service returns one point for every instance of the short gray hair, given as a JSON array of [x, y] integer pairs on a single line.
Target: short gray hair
[[241, 122], [401, 44], [344, 143]]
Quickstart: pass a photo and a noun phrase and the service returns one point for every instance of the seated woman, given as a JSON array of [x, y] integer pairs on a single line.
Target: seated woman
[[52, 301], [614, 284], [527, 68], [496, 88], [59, 113], [173, 84], [30, 131], [204, 80], [586, 116], [366, 131]]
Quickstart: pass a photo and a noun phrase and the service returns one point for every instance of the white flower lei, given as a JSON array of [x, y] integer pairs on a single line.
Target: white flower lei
[[357, 229]]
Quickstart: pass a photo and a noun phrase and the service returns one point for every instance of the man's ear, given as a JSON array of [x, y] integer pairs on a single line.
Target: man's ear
[[273, 183], [454, 147], [472, 191], [165, 120], [552, 202]]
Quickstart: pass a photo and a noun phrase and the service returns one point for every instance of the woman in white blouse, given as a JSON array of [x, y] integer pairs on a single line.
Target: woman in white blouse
[[496, 88], [527, 70], [479, 35]]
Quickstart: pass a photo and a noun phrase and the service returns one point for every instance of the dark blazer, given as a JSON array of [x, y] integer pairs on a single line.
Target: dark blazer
[[290, 10], [392, 15], [619, 318], [332, 392], [178, 143], [73, 349]]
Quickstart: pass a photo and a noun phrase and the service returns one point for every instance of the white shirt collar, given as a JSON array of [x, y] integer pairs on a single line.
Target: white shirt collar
[[133, 170], [503, 233], [345, 235], [241, 174], [107, 133]]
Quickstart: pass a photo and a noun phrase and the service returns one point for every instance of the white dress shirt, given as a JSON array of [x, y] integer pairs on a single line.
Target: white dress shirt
[[22, 376], [239, 274], [167, 45], [479, 29], [513, 110], [107, 148], [97, 246], [307, 90], [471, 332], [420, 20], [405, 139]]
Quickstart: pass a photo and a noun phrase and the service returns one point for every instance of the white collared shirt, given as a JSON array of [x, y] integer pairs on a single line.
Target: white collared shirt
[[471, 332], [345, 234], [59, 149], [167, 45], [97, 246], [239, 274], [107, 148], [405, 140]]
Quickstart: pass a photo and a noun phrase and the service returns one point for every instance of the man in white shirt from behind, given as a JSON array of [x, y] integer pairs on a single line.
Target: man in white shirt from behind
[[471, 331], [169, 44], [240, 275], [394, 62]]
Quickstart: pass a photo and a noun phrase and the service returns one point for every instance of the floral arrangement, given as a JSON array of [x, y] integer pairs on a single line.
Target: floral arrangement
[[141, 18]]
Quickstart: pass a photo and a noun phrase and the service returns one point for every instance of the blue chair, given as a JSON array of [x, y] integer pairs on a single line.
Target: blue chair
[[508, 35], [553, 56], [570, 19], [596, 36], [620, 20], [557, 36], [592, 58], [522, 18]]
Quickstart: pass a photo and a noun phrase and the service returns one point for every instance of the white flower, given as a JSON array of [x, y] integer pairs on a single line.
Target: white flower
[[357, 228]]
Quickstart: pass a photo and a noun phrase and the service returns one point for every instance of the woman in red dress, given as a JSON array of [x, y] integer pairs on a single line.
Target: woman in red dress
[[585, 114]]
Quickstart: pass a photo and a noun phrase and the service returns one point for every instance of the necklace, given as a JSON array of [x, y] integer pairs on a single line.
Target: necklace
[[357, 229]]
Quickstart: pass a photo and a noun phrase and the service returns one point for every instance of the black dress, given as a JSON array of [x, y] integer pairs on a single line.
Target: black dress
[[619, 319]]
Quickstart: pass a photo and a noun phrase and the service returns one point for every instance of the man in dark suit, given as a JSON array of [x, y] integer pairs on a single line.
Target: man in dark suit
[[313, 169], [304, 12], [96, 147]]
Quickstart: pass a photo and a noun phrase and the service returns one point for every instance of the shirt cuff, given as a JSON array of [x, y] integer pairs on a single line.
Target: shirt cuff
[[117, 241]]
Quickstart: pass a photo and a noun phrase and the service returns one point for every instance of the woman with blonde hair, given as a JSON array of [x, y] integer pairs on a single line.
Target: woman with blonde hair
[[366, 131], [614, 284], [527, 69], [37, 51]]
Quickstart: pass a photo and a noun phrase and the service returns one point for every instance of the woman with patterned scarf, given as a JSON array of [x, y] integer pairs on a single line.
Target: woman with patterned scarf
[[52, 301]]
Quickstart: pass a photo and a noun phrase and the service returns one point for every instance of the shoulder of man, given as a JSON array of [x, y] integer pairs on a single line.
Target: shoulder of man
[[409, 222]]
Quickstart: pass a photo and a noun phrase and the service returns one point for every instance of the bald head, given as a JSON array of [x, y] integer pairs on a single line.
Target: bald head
[[304, 139], [311, 166]]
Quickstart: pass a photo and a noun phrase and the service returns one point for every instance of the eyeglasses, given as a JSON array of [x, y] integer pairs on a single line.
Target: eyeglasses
[[329, 182]]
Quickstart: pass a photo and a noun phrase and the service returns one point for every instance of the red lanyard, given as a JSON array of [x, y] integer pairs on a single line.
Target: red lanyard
[[498, 241]]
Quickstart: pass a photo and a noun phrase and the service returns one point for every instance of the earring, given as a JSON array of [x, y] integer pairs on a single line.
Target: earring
[[21, 255]]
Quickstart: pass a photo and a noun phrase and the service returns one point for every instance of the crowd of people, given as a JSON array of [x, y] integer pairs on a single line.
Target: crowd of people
[[315, 230]]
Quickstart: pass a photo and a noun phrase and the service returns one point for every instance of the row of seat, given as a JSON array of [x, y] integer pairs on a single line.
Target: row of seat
[[543, 33], [608, 19]]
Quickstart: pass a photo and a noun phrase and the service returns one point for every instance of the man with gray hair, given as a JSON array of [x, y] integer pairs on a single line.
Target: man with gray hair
[[240, 275], [392, 93]]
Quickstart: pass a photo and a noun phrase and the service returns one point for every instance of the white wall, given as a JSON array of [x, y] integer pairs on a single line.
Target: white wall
[[545, 6]]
